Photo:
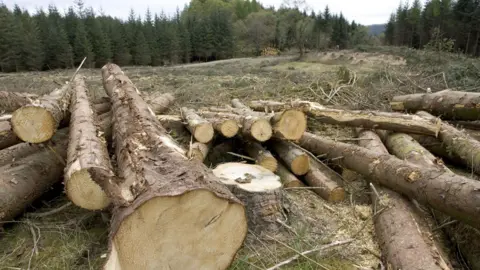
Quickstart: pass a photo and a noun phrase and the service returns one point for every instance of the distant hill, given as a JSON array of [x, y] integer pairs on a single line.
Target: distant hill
[[376, 29]]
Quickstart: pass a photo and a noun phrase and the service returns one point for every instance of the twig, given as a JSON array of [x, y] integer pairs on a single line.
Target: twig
[[445, 225], [48, 213], [79, 67], [445, 80], [241, 156], [331, 245]]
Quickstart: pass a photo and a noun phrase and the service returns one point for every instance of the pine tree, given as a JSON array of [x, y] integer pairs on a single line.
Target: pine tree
[[71, 24], [121, 52], [100, 42], [32, 50], [142, 52], [82, 47]]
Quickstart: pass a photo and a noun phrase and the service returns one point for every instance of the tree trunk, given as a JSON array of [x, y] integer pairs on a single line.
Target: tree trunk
[[37, 122], [262, 156], [11, 101], [454, 195], [172, 196], [228, 128], [7, 136], [474, 125], [295, 159], [463, 147], [288, 124], [325, 182], [289, 180], [88, 163], [254, 128], [160, 104], [367, 119], [199, 151], [201, 129], [259, 189], [454, 105], [405, 242]]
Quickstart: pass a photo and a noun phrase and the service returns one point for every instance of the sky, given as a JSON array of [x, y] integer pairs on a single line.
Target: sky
[[365, 12]]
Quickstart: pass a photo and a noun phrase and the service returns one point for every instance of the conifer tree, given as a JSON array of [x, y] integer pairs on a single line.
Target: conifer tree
[[32, 50], [82, 46], [141, 50]]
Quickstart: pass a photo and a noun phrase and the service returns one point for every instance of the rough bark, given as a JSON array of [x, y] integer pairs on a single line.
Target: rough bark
[[459, 143], [171, 195], [88, 163], [295, 159], [262, 156], [38, 121], [7, 136], [201, 129], [365, 119], [454, 195], [199, 151], [29, 170], [403, 237], [254, 128], [448, 104], [325, 181], [473, 125], [289, 180], [259, 189], [161, 103], [289, 124], [11, 101]]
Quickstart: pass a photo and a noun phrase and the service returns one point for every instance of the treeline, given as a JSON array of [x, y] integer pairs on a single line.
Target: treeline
[[445, 25], [205, 30]]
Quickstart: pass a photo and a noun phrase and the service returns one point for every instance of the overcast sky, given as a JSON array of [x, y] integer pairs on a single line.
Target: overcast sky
[[366, 11]]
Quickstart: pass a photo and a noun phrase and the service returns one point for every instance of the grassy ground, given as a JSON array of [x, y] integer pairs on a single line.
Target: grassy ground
[[362, 79]]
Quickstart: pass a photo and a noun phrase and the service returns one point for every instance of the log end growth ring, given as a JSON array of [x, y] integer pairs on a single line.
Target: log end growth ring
[[261, 130], [229, 128], [301, 165], [204, 132], [292, 125], [337, 195], [191, 231], [269, 163], [84, 192], [33, 124]]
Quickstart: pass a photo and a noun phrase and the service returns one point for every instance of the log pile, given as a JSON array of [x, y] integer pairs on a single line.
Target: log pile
[[117, 154]]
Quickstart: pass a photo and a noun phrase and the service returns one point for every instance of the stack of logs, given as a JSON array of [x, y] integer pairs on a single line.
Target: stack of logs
[[167, 204]]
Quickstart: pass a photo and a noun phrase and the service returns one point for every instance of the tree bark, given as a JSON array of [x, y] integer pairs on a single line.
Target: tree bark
[[289, 180], [295, 159], [325, 182], [172, 196], [463, 147], [161, 103], [38, 121], [405, 242], [289, 124], [88, 167], [201, 129], [454, 105], [262, 156], [7, 136], [11, 101], [259, 189], [364, 119], [454, 195], [253, 128]]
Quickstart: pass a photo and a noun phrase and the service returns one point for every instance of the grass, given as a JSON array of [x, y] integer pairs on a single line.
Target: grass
[[76, 239]]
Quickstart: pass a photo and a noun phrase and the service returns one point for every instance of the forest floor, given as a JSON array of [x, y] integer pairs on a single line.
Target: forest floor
[[367, 79]]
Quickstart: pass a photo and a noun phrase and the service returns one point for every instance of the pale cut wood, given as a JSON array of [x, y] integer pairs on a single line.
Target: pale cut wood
[[38, 121], [325, 181], [199, 151], [88, 163], [172, 195], [295, 159], [11, 101], [289, 180], [201, 129], [262, 156]]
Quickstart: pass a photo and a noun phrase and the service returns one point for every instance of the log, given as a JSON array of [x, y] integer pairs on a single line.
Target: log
[[262, 156], [101, 108], [463, 147], [325, 182], [454, 105], [296, 160], [228, 128], [88, 163], [201, 129], [253, 128], [289, 180], [452, 194], [403, 237], [288, 124], [161, 103], [7, 136], [259, 189], [364, 119], [32, 170], [178, 207], [38, 121], [473, 125], [199, 151], [11, 101]]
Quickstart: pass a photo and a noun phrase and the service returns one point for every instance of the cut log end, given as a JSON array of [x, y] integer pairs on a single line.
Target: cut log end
[[33, 124], [337, 195], [261, 130], [84, 192], [291, 125], [155, 236], [300, 165], [251, 178], [204, 132], [269, 163], [198, 151], [229, 128]]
